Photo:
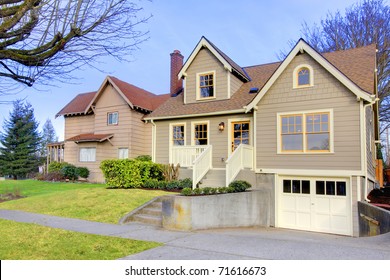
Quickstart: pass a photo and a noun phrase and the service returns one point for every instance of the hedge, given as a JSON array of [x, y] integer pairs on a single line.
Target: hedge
[[129, 173]]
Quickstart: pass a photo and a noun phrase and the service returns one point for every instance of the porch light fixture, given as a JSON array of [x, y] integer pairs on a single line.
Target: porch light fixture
[[221, 126]]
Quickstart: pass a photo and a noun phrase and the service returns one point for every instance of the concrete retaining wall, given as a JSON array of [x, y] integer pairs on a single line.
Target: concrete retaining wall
[[373, 220], [250, 208]]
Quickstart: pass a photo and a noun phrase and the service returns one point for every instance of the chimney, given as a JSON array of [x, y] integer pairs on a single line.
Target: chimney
[[176, 64]]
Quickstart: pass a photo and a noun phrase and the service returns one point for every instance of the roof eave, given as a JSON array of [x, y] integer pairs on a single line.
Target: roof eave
[[300, 47], [228, 112]]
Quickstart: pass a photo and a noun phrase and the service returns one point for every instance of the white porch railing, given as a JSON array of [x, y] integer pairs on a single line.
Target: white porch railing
[[241, 158], [186, 155], [201, 165]]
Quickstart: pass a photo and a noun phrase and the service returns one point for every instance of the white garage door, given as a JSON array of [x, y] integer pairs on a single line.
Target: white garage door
[[315, 204]]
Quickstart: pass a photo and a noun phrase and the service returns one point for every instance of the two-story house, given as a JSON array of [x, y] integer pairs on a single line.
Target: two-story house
[[108, 124], [304, 129]]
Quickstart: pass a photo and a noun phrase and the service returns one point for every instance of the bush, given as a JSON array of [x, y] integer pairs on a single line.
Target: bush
[[69, 172], [151, 184], [129, 173], [144, 158], [206, 190], [186, 191], [55, 176], [186, 183], [56, 166], [83, 172], [239, 185], [197, 191]]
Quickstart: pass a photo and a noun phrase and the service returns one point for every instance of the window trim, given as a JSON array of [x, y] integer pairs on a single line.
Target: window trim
[[198, 97], [193, 131], [304, 134], [171, 125], [87, 148], [295, 76], [123, 148], [108, 118]]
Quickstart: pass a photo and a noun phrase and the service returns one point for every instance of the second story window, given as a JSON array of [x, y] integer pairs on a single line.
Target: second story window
[[206, 85], [112, 118]]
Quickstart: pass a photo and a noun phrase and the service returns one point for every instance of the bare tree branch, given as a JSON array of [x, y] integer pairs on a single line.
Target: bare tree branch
[[42, 41]]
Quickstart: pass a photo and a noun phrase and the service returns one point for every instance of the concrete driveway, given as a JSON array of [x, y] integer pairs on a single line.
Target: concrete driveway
[[225, 244]]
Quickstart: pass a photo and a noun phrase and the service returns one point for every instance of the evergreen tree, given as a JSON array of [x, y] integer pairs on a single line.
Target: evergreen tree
[[48, 136], [19, 142]]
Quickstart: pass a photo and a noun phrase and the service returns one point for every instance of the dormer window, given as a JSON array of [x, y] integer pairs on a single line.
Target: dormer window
[[206, 85], [303, 76]]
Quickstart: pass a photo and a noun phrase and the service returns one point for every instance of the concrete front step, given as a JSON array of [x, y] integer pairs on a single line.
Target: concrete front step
[[149, 213], [147, 219]]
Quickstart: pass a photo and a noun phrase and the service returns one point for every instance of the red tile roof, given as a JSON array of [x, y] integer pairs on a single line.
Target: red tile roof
[[90, 137], [78, 105], [356, 64], [138, 97]]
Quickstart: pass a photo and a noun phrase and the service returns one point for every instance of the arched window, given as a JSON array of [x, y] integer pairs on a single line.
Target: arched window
[[303, 76]]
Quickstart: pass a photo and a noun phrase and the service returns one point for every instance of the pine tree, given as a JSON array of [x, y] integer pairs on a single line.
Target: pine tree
[[48, 136], [19, 142]]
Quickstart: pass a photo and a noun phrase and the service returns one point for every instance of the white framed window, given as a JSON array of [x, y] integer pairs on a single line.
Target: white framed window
[[123, 153], [205, 85], [303, 76], [88, 154], [178, 134], [200, 133], [305, 132], [112, 118]]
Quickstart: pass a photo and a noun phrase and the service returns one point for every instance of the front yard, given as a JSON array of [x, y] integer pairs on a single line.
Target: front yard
[[74, 200]]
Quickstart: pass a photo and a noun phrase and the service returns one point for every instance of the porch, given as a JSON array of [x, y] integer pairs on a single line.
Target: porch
[[198, 160]]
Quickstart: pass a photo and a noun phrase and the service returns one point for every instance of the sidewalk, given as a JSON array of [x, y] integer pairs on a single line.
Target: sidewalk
[[224, 244]]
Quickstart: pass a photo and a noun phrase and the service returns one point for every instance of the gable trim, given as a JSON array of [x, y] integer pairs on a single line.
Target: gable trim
[[302, 47], [205, 43], [101, 89]]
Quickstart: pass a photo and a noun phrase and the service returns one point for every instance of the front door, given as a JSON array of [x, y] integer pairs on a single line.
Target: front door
[[240, 134]]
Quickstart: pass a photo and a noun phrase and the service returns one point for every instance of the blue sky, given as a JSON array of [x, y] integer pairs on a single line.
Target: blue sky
[[250, 32]]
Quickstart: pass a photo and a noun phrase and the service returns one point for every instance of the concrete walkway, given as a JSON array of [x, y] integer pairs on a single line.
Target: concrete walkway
[[224, 244]]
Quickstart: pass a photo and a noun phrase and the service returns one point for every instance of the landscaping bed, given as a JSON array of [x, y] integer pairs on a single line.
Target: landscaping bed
[[380, 197]]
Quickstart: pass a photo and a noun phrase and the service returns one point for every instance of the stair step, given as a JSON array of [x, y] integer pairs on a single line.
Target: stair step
[[147, 219], [151, 211]]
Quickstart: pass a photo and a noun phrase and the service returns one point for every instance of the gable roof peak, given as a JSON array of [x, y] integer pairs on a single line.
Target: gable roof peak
[[227, 62]]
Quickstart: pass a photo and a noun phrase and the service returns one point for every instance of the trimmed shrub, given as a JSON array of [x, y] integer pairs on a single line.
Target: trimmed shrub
[[129, 173], [56, 166], [186, 183], [186, 191], [206, 190], [151, 184], [69, 172], [83, 172], [197, 191], [240, 185], [222, 190]]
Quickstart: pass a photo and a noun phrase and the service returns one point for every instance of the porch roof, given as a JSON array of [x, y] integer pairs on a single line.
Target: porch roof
[[90, 137]]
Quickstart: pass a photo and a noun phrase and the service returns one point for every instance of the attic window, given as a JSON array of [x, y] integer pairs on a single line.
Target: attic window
[[303, 76]]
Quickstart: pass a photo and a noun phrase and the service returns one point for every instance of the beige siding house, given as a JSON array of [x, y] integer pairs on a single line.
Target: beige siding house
[[108, 124], [303, 129]]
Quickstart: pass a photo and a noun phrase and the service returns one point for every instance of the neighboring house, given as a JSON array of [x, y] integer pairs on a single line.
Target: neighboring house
[[304, 129], [108, 124]]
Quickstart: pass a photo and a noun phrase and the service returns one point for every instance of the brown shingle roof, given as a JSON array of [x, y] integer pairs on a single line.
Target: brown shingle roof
[[78, 105], [139, 97], [90, 137], [356, 64]]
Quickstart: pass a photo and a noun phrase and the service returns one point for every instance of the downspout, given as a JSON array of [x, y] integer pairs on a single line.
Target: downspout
[[365, 147], [153, 140]]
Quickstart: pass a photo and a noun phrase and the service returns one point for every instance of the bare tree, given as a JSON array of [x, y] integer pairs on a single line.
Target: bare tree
[[364, 23], [45, 40]]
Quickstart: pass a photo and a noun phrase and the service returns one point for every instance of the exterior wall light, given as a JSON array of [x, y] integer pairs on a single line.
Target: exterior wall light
[[221, 126]]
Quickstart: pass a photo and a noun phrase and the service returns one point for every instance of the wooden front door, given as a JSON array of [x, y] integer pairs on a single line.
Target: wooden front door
[[240, 134]]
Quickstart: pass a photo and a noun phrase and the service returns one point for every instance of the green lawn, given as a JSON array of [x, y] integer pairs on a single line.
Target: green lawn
[[74, 200], [20, 241]]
